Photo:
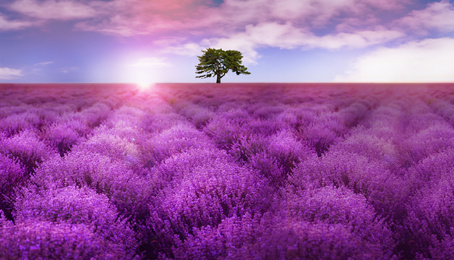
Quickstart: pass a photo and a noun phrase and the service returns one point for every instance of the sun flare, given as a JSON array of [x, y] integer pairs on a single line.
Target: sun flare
[[144, 85], [142, 78]]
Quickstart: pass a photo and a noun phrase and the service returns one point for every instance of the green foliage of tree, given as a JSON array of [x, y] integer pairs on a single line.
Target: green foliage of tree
[[217, 62]]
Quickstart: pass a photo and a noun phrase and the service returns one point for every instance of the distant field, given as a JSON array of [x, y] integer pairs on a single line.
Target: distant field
[[227, 171]]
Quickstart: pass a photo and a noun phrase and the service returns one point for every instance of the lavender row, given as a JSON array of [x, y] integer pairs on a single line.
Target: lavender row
[[256, 172]]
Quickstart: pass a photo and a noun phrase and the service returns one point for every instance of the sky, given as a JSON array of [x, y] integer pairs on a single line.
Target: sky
[[139, 41]]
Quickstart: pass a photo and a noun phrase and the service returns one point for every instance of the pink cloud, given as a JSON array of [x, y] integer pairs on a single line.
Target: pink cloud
[[7, 25], [236, 24], [437, 16], [305, 12], [53, 9], [197, 17], [248, 25], [389, 4], [138, 17]]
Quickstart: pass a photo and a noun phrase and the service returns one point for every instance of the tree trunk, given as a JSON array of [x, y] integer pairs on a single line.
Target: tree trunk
[[218, 78]]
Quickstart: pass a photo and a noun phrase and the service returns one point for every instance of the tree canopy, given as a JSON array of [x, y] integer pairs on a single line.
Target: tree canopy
[[217, 62]]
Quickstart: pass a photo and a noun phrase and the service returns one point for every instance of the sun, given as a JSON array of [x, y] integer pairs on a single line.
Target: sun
[[143, 72], [143, 83], [144, 86], [143, 79]]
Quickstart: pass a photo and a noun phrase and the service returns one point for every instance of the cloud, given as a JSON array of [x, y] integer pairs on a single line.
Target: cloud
[[139, 17], [68, 70], [436, 16], [389, 4], [287, 36], [9, 73], [187, 49], [348, 23], [289, 24], [305, 13], [359, 39], [236, 24], [202, 17], [284, 36], [45, 63], [8, 25], [428, 60], [53, 9]]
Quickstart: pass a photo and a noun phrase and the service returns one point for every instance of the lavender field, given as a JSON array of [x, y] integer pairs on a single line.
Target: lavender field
[[229, 171]]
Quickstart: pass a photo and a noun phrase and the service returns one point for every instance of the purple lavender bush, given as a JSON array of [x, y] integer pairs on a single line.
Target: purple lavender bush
[[125, 189], [75, 206], [27, 148], [54, 240], [203, 195], [254, 171], [12, 177], [62, 137]]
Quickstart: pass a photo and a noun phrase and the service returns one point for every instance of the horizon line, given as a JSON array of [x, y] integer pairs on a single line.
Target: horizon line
[[211, 83]]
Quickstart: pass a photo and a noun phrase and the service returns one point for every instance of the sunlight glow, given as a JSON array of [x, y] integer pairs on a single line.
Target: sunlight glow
[[144, 85], [143, 71], [143, 78]]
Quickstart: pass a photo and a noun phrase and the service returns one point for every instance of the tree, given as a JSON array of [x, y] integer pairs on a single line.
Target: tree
[[217, 62]]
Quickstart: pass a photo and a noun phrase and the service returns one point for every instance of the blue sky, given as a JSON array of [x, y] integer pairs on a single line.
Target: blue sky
[[282, 40]]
